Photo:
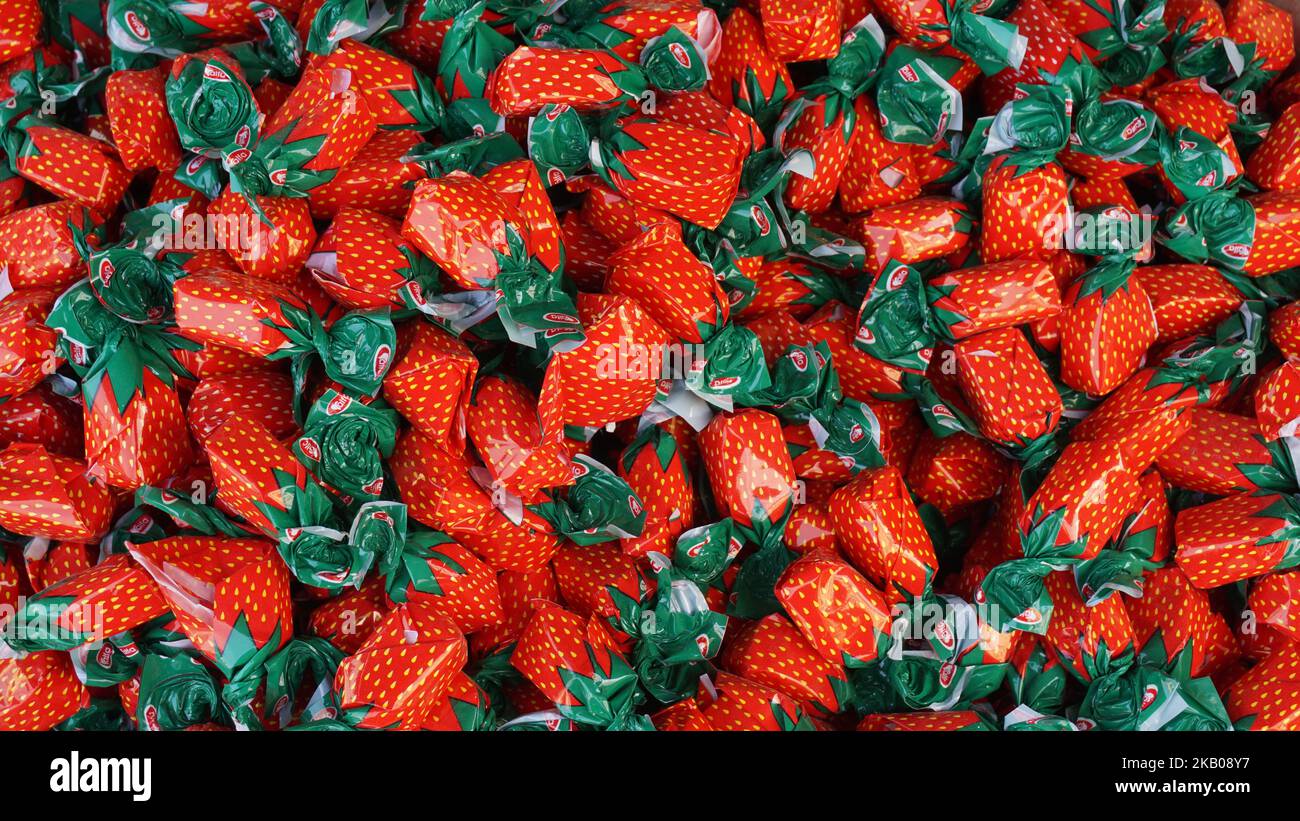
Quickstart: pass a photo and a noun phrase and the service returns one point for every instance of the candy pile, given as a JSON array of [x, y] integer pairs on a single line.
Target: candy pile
[[676, 364]]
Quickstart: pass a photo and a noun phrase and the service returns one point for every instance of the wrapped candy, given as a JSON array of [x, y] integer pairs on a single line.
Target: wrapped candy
[[399, 674]]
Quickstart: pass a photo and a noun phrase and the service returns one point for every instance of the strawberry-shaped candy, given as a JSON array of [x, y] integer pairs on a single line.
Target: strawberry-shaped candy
[[42, 417], [103, 600], [1051, 50], [402, 670], [841, 614], [955, 472], [656, 467], [1089, 640], [518, 590], [264, 396], [749, 468], [308, 140], [433, 569], [28, 347], [1236, 537], [1256, 235], [632, 155], [736, 703], [443, 494], [260, 318], [1079, 505], [1223, 453], [135, 428], [1267, 26], [914, 231], [269, 237], [1187, 299], [823, 120], [39, 691], [37, 247], [993, 44], [376, 179], [136, 103], [1013, 400], [260, 481], [904, 315], [1175, 626], [1106, 327], [505, 429], [1265, 698], [747, 73], [772, 652], [596, 579], [671, 284], [43, 494], [398, 95], [229, 596], [614, 374], [882, 535], [431, 382], [67, 163], [573, 661], [347, 620]]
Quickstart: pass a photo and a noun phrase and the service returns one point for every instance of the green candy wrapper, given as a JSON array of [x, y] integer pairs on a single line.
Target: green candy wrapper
[[598, 507], [345, 444]]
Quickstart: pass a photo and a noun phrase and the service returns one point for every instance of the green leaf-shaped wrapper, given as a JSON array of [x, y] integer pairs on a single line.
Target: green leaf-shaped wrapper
[[599, 506], [176, 692], [344, 443]]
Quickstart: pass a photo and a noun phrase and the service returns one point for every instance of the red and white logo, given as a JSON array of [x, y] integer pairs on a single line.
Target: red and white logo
[[215, 72], [375, 488], [1149, 696], [908, 74], [943, 633], [310, 448], [137, 26], [680, 54], [723, 382], [947, 672], [106, 271], [1135, 127], [1030, 616], [382, 357], [337, 405], [634, 505], [1237, 250], [799, 359], [556, 316], [760, 218]]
